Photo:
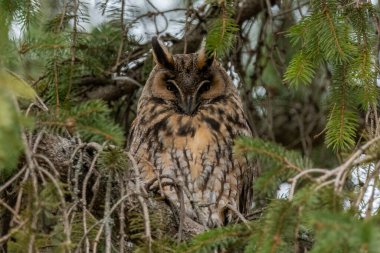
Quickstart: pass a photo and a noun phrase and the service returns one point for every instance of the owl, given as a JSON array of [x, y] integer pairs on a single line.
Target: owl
[[188, 116]]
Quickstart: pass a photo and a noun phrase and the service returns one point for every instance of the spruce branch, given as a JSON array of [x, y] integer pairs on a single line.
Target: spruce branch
[[343, 119], [222, 238], [300, 70], [221, 36], [333, 31]]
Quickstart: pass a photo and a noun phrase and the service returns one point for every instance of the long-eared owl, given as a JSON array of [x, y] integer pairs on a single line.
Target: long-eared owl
[[182, 138]]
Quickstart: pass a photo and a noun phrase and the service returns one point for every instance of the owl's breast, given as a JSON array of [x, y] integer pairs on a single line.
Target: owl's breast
[[196, 145], [195, 140], [195, 152], [191, 145]]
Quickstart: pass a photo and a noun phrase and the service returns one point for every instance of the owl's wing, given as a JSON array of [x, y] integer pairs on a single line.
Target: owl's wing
[[250, 171], [246, 195]]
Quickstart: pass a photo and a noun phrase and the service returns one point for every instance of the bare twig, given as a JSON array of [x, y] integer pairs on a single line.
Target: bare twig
[[31, 168], [239, 214], [66, 226], [372, 196], [364, 188], [84, 200], [122, 217], [48, 162], [141, 200], [187, 23], [295, 179], [107, 219], [16, 217], [95, 189], [116, 205], [12, 179], [20, 193], [338, 175], [13, 231], [122, 33], [73, 47], [97, 238]]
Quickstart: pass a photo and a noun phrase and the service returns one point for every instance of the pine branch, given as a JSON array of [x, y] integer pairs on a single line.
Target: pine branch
[[90, 119], [300, 70], [343, 119], [280, 164], [221, 36], [230, 237], [326, 36]]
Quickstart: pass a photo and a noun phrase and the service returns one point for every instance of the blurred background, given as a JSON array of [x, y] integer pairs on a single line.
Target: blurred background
[[105, 47]]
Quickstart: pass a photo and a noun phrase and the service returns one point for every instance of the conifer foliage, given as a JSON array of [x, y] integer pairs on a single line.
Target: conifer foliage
[[340, 36], [68, 95]]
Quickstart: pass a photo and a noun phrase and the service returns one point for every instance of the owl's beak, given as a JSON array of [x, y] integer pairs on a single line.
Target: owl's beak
[[189, 105]]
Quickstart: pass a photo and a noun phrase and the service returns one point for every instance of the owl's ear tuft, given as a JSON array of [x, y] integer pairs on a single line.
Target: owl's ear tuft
[[161, 54], [205, 60]]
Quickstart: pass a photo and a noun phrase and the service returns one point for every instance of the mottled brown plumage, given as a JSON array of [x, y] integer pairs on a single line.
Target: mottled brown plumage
[[187, 118]]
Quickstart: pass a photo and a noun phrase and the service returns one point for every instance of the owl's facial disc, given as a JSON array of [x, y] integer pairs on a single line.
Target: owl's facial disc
[[186, 81]]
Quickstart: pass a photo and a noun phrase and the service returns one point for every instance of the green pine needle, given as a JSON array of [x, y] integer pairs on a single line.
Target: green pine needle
[[228, 238], [300, 70], [341, 128], [90, 119], [221, 36], [280, 164]]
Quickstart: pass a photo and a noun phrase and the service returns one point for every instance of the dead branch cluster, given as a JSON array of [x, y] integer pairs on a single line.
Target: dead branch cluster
[[363, 164], [83, 191]]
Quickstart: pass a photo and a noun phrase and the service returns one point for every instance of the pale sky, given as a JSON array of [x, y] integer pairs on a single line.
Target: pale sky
[[143, 30]]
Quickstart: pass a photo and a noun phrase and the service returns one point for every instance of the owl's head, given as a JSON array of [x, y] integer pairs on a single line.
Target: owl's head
[[186, 81]]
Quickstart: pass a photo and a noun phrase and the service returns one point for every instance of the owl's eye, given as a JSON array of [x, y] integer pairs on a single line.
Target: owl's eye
[[206, 85], [170, 86]]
